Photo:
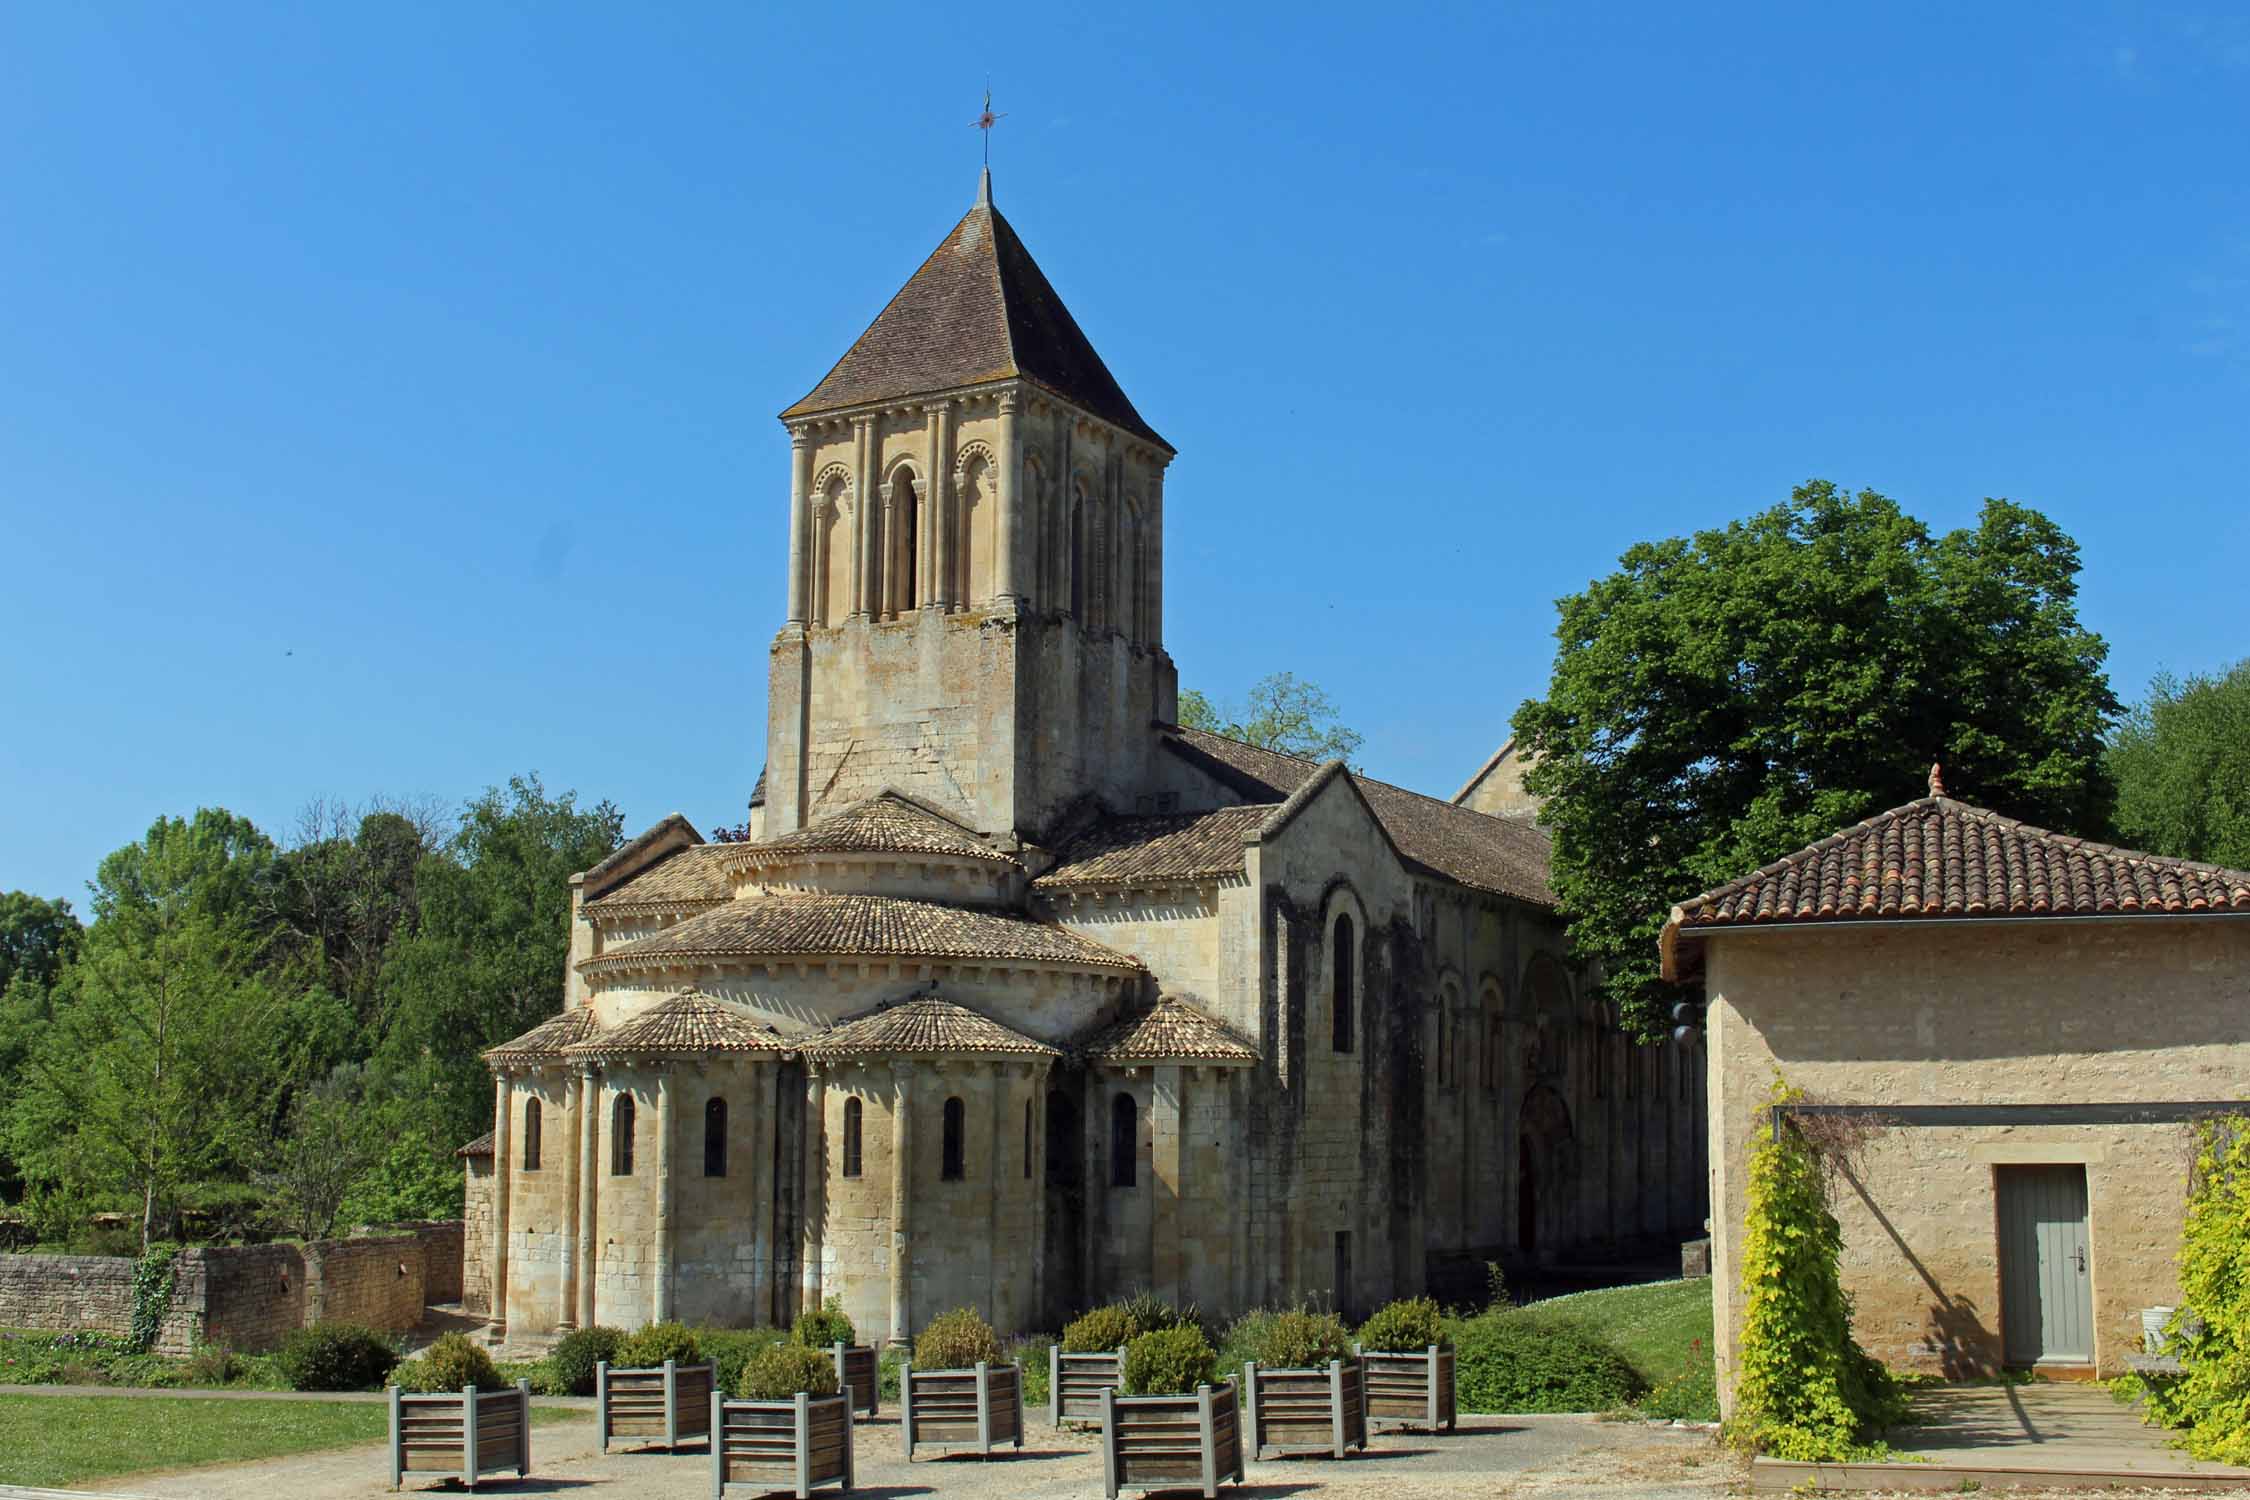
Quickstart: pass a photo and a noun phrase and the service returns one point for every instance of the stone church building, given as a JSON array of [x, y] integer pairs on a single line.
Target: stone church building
[[1021, 995]]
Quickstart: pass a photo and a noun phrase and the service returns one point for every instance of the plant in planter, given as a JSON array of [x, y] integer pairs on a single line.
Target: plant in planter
[[1407, 1363], [957, 1390], [1173, 1429], [1091, 1356], [1302, 1388], [660, 1387], [858, 1372], [451, 1413], [789, 1428], [571, 1362]]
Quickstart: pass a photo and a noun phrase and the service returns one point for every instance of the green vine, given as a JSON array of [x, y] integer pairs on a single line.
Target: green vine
[[1804, 1389], [152, 1294], [2210, 1398]]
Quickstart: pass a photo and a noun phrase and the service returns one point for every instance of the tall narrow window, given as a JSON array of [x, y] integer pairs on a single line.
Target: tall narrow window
[[1124, 1141], [531, 1135], [1027, 1139], [1340, 990], [621, 1136], [955, 1121], [851, 1137], [1441, 1049], [1077, 553], [909, 537], [715, 1138]]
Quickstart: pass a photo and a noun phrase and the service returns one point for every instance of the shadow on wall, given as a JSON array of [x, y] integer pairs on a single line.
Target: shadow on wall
[[1955, 1335]]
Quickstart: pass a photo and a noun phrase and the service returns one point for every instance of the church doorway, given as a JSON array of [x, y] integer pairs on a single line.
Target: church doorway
[[1066, 1210], [1544, 1160]]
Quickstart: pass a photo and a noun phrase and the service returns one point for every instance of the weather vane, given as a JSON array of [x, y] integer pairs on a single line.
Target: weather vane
[[986, 121]]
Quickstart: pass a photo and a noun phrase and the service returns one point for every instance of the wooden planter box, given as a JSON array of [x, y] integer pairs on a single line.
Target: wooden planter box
[[1171, 1442], [1408, 1390], [1075, 1383], [466, 1435], [795, 1445], [983, 1406], [1309, 1411], [666, 1403], [858, 1376]]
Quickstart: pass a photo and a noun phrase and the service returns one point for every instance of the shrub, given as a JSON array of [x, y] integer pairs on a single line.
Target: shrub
[[2210, 1397], [576, 1354], [824, 1326], [1099, 1330], [1029, 1354], [1407, 1326], [955, 1341], [212, 1365], [730, 1349], [657, 1343], [449, 1364], [336, 1357], [1515, 1361], [1300, 1340], [780, 1371], [1149, 1313], [1168, 1362]]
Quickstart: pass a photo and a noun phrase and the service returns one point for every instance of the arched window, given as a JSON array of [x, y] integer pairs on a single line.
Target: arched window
[[956, 1116], [1442, 1053], [1340, 990], [715, 1138], [834, 576], [1027, 1139], [908, 548], [851, 1137], [1075, 560], [531, 1135], [1124, 1141], [621, 1136], [976, 505]]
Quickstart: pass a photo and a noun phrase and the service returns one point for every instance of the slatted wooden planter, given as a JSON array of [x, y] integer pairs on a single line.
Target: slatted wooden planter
[[1075, 1383], [1305, 1411], [465, 1435], [858, 1376], [797, 1445], [1171, 1442], [1408, 1390], [983, 1406], [668, 1403]]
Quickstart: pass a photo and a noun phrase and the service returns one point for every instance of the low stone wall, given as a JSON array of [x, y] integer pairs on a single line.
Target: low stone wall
[[476, 1232]]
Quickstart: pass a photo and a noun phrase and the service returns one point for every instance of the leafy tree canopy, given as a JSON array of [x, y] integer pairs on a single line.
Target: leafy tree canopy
[[1722, 700], [1282, 712], [2181, 760], [37, 937]]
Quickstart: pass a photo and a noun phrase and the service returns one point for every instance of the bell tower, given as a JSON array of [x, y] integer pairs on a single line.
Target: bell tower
[[976, 560]]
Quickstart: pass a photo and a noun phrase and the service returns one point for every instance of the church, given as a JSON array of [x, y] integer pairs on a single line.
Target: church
[[1019, 994]]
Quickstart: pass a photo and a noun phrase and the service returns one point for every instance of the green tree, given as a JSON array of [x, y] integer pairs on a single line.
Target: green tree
[[2181, 760], [486, 960], [330, 1142], [345, 888], [37, 938], [1282, 712], [1722, 700]]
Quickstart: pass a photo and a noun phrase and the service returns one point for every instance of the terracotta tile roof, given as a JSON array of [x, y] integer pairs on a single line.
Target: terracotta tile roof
[[688, 879], [1938, 858], [1507, 856], [814, 924], [978, 310], [689, 1024], [601, 876], [1167, 847], [1169, 1031], [546, 1041], [890, 822], [481, 1146], [924, 1025]]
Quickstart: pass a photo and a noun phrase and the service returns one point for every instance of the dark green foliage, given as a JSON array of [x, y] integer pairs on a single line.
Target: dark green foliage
[[824, 1326], [1099, 1330], [212, 1365], [336, 1357], [956, 1341], [1519, 1361], [451, 1364], [2182, 763], [782, 1370], [1168, 1362], [1029, 1354], [729, 1349], [1408, 1326], [152, 1294], [1721, 701], [657, 1343], [1301, 1340], [577, 1352]]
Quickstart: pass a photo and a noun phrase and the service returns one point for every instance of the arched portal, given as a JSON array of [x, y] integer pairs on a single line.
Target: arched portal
[[1546, 1172]]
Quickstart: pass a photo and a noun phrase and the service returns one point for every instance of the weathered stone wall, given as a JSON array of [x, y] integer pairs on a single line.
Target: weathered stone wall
[[542, 1204], [477, 1202], [724, 1227], [2143, 1009]]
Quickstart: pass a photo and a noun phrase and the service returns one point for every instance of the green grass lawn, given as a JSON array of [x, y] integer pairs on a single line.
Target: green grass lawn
[[59, 1440], [1664, 1331]]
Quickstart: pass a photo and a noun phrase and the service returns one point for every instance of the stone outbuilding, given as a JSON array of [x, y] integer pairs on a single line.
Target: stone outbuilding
[[2010, 1032]]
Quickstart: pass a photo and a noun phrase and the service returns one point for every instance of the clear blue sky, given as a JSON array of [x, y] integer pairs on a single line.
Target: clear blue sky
[[387, 392]]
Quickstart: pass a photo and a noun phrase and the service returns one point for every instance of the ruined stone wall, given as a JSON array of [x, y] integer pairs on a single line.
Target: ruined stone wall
[[2139, 1009]]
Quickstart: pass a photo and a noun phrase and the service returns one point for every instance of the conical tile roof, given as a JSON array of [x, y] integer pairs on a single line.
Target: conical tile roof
[[889, 822], [923, 1026], [689, 1024], [1169, 1031], [546, 1041]]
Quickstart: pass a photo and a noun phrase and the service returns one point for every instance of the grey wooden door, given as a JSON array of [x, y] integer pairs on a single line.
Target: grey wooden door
[[2046, 1277]]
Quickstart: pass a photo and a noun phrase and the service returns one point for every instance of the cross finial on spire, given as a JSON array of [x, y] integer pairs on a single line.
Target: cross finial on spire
[[984, 122], [1937, 779]]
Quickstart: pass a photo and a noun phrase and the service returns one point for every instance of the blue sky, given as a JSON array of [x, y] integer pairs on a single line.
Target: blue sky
[[387, 392]]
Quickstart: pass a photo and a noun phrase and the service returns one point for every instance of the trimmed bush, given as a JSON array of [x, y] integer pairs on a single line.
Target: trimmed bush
[[1513, 1361], [1168, 1362], [955, 1341], [576, 1354], [1099, 1330], [731, 1349], [336, 1357], [779, 1372], [449, 1364], [1407, 1326], [824, 1326], [657, 1343], [1301, 1340]]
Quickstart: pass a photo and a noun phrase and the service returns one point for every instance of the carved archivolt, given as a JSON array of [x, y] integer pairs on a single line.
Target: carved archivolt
[[913, 474], [824, 487], [975, 448]]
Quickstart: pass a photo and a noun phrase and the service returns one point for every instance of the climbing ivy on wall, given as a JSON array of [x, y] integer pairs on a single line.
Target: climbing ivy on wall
[[1804, 1389], [2210, 1398], [152, 1293]]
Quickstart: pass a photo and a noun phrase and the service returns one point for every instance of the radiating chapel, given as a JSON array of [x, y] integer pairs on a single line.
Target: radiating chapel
[[1019, 994]]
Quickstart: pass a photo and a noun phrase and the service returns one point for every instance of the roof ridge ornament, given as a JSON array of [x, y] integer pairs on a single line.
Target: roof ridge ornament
[[984, 122], [1937, 779]]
